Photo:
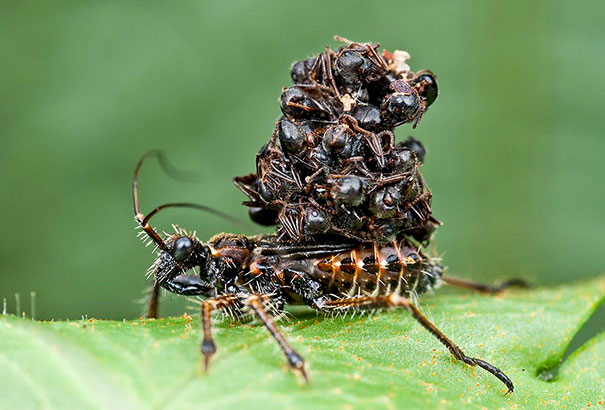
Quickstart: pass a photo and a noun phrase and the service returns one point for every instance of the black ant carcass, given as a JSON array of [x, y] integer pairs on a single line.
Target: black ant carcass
[[351, 208]]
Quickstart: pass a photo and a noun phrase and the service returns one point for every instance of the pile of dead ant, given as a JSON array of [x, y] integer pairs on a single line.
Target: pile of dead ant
[[331, 170]]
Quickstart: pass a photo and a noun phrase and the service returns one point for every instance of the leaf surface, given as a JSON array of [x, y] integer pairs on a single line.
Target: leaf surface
[[384, 360]]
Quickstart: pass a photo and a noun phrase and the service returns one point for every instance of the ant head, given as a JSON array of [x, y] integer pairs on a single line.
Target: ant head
[[426, 84], [403, 104], [408, 101]]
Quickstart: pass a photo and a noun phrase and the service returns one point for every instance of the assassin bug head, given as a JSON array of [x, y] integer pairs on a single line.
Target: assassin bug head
[[179, 253], [184, 253]]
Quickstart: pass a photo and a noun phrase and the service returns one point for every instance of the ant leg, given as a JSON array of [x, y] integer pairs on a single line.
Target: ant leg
[[154, 302], [329, 76], [208, 347], [395, 300], [188, 285], [420, 113], [482, 287], [295, 361]]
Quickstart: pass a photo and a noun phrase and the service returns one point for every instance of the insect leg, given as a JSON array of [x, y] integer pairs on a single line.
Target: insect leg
[[482, 287], [208, 347], [395, 300], [154, 302], [295, 361], [189, 285]]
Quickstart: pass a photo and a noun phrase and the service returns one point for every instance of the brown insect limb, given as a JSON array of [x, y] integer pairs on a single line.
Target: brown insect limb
[[295, 361], [421, 112], [395, 300], [388, 140], [208, 347], [483, 287], [376, 57], [343, 39], [352, 164], [376, 147], [290, 221], [328, 71], [352, 123], [393, 179], [374, 142], [322, 70], [310, 178], [153, 306], [138, 215]]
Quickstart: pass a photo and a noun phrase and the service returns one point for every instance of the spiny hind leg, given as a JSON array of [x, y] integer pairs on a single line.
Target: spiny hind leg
[[483, 287], [395, 300], [154, 302], [295, 360], [208, 347]]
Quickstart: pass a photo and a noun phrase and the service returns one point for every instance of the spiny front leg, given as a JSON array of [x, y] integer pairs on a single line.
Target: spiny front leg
[[208, 347], [483, 287], [295, 361], [395, 300], [154, 302]]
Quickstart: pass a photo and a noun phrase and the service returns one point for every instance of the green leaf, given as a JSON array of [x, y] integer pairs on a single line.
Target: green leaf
[[385, 360]]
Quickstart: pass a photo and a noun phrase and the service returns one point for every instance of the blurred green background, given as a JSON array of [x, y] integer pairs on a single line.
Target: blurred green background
[[515, 139]]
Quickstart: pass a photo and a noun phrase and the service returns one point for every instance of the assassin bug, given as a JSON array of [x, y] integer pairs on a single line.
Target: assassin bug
[[261, 275]]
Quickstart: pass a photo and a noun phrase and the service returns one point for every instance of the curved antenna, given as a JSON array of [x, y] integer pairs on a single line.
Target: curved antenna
[[191, 205], [138, 215], [172, 171], [143, 219]]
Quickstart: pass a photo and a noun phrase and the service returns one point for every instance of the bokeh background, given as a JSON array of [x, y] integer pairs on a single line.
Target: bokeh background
[[515, 140]]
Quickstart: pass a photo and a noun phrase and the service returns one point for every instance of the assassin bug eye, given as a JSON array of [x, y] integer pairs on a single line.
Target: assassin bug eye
[[182, 249]]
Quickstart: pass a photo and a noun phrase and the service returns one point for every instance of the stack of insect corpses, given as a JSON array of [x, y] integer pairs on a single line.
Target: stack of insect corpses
[[332, 169]]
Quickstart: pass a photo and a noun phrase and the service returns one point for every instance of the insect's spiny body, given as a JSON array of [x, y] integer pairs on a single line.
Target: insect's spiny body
[[255, 273], [366, 270], [297, 275]]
